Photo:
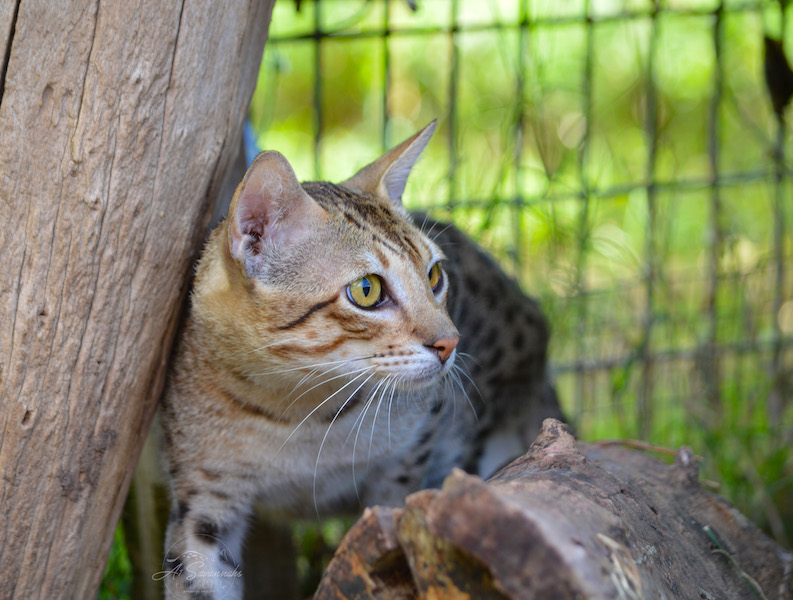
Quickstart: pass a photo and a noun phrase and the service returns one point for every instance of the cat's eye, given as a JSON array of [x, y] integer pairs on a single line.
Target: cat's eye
[[435, 275], [366, 292]]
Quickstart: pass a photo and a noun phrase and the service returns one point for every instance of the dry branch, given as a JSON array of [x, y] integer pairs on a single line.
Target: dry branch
[[566, 520]]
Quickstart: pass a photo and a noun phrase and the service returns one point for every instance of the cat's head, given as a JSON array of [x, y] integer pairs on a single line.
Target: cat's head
[[335, 278]]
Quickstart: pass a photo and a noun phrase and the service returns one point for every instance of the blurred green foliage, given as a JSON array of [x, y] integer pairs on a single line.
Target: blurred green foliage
[[314, 545], [618, 156], [117, 580]]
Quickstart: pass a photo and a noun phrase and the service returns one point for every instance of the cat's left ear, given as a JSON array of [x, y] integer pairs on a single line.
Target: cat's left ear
[[270, 207], [387, 176]]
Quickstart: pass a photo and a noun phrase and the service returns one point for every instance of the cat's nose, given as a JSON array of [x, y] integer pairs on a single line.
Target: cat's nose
[[445, 346]]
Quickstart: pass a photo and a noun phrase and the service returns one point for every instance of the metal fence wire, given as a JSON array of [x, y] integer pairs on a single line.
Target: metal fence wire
[[627, 160]]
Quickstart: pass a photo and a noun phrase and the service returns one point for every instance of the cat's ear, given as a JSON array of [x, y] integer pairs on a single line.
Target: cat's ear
[[388, 175], [269, 207]]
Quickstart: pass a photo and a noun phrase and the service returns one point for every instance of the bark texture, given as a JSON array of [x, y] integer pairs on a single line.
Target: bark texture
[[117, 123], [566, 520]]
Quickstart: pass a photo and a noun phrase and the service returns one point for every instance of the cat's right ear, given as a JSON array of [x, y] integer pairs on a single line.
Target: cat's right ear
[[269, 208], [388, 175]]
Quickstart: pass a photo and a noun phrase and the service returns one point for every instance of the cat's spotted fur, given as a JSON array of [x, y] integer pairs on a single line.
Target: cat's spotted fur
[[286, 393]]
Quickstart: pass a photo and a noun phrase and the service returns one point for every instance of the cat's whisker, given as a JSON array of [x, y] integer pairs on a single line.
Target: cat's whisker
[[449, 391], [322, 364], [287, 341], [315, 373], [303, 380], [454, 402], [465, 355], [321, 383], [359, 420], [440, 233], [461, 370], [434, 225], [455, 373], [432, 228], [446, 383], [299, 368], [321, 404], [327, 432], [388, 381], [390, 403], [360, 416], [406, 396], [309, 377], [424, 223], [380, 389]]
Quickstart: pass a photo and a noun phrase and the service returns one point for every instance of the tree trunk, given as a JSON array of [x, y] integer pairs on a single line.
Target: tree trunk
[[145, 515], [117, 123], [563, 521]]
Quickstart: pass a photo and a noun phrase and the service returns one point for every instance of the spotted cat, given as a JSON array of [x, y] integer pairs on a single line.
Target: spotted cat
[[338, 352]]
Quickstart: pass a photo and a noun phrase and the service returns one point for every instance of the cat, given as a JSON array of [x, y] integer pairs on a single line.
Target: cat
[[338, 353]]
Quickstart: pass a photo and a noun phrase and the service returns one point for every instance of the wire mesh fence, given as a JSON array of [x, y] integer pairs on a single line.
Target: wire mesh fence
[[625, 161]]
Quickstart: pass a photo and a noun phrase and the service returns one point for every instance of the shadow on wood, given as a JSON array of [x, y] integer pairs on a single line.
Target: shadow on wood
[[565, 520]]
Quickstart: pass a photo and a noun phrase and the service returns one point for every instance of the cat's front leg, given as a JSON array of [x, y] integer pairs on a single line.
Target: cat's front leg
[[203, 549]]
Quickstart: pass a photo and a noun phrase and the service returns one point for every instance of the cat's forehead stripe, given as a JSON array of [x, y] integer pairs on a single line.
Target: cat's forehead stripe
[[351, 219], [382, 257], [408, 242], [363, 211]]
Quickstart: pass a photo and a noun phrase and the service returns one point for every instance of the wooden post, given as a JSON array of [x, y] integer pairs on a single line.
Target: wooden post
[[117, 123]]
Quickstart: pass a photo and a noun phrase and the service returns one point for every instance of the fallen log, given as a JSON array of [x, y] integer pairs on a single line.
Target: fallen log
[[566, 520]]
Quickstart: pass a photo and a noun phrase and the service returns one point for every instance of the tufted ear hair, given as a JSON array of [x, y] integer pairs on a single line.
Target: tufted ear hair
[[270, 207], [387, 176]]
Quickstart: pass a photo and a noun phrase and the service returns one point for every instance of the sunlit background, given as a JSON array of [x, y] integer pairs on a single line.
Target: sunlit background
[[622, 159]]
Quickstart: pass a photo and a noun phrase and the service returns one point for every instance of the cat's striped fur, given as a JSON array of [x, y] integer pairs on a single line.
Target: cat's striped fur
[[286, 393]]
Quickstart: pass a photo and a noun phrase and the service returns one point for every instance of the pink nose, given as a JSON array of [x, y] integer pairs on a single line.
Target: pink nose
[[445, 346]]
